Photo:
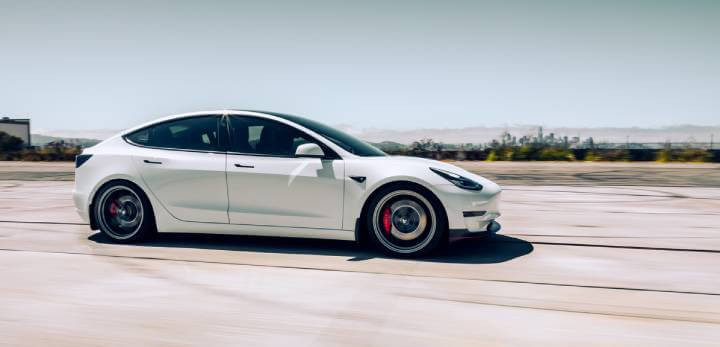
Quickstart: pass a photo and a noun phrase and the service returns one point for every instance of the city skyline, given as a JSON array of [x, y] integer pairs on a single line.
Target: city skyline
[[481, 135]]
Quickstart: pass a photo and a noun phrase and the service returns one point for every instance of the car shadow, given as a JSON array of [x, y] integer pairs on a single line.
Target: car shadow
[[475, 250]]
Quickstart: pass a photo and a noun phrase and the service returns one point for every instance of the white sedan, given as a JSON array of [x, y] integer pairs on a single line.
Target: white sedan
[[264, 173]]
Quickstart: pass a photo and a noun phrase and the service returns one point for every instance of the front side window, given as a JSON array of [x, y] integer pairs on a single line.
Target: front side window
[[193, 133], [261, 136], [348, 142]]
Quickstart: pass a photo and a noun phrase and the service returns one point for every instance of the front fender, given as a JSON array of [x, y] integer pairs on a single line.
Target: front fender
[[378, 173]]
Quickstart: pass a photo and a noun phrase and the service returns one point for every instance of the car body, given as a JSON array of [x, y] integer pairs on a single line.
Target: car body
[[263, 173]]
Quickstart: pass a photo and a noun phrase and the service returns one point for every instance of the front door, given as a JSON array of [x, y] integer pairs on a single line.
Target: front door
[[268, 185]]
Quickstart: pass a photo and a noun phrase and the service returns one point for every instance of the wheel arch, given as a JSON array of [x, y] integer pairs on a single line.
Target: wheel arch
[[112, 181], [361, 230]]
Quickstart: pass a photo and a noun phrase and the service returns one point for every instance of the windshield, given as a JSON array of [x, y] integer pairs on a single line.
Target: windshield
[[348, 142]]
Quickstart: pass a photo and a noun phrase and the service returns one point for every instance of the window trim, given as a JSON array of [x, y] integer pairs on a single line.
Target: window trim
[[219, 147], [330, 154], [325, 139]]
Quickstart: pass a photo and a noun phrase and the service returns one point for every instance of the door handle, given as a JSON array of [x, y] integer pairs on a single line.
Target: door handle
[[151, 162], [244, 166]]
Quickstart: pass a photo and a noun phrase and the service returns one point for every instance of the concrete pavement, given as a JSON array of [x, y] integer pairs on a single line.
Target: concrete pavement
[[590, 265]]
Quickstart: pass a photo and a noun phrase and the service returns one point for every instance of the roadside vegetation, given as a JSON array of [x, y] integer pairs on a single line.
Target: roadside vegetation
[[13, 148], [507, 148], [542, 147]]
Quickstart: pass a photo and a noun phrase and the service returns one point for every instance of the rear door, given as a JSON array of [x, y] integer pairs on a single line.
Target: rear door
[[184, 165]]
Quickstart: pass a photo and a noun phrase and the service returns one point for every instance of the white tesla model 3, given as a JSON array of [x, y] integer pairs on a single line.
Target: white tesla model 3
[[264, 173]]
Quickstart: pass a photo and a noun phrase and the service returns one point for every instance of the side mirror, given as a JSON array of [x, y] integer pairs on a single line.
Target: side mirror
[[309, 150]]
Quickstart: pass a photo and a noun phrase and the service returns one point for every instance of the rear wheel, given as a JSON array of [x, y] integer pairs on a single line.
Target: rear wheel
[[123, 213], [406, 221]]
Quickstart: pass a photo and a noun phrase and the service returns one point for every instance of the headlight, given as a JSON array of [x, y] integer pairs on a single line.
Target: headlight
[[462, 182]]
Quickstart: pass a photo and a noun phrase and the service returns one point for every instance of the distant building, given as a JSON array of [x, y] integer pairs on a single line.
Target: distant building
[[17, 127]]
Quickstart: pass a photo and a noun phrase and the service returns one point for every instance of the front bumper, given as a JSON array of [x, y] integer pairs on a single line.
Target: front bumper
[[491, 228], [470, 211]]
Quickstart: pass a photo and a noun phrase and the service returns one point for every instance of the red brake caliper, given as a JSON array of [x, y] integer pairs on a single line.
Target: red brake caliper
[[386, 220], [113, 209]]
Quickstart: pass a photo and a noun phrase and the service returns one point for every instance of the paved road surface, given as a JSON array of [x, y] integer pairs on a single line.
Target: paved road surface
[[705, 175], [575, 265]]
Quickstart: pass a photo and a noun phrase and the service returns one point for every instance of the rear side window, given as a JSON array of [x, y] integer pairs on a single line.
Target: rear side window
[[141, 137], [194, 133]]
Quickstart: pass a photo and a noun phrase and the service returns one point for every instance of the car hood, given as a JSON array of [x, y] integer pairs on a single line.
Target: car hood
[[424, 164]]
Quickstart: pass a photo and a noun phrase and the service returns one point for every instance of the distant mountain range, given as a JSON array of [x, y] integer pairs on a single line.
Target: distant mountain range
[[476, 135], [481, 135], [41, 140]]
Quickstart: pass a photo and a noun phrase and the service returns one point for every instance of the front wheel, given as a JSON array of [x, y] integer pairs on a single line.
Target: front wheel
[[406, 221], [124, 213]]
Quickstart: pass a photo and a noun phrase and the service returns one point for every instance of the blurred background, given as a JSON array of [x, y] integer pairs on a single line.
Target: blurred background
[[598, 118]]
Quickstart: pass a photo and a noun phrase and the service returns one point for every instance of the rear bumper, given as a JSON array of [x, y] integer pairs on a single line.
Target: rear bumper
[[81, 205]]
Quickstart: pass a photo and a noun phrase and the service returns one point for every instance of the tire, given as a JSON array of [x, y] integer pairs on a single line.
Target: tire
[[406, 221], [123, 213]]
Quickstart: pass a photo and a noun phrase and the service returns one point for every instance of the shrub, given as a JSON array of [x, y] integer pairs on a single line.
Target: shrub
[[492, 156], [607, 155], [616, 155], [43, 154], [591, 156], [9, 143], [507, 154], [522, 153], [684, 155], [664, 156], [551, 153]]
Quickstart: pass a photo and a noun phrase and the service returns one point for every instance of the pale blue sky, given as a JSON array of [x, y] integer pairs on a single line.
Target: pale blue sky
[[385, 64]]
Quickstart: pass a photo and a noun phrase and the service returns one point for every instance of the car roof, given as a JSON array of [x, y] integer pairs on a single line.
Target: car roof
[[265, 114], [193, 114]]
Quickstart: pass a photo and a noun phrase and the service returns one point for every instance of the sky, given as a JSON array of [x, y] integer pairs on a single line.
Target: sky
[[83, 65]]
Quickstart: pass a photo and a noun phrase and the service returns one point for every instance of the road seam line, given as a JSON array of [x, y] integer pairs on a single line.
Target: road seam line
[[364, 272]]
